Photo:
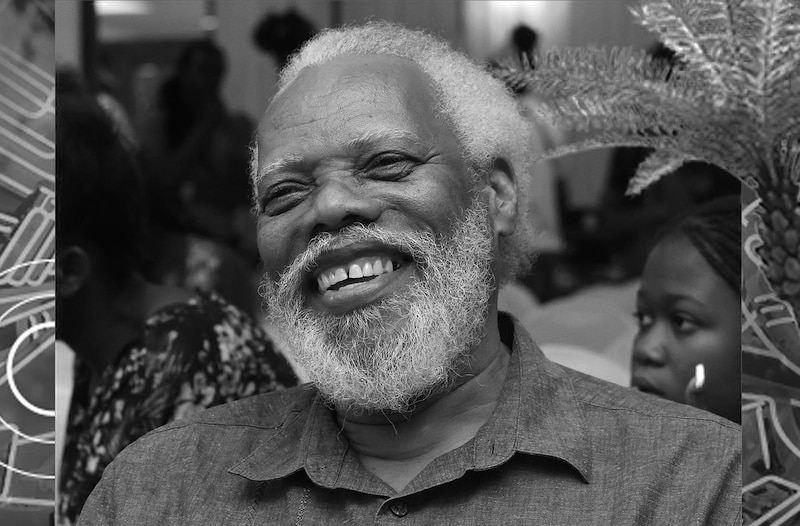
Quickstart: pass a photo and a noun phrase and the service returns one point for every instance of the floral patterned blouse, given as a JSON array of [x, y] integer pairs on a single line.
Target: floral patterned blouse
[[190, 356]]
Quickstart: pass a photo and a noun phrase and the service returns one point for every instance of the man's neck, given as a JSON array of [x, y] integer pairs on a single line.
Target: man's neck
[[396, 448]]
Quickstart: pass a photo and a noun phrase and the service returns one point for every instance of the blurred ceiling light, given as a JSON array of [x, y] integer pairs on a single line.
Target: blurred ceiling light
[[122, 7], [515, 8], [488, 24]]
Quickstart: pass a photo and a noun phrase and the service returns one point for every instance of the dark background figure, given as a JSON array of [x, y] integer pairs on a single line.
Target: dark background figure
[[201, 167], [198, 189], [525, 41], [281, 34], [146, 353]]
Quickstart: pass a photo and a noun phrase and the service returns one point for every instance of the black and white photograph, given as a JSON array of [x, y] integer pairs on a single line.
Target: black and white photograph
[[366, 261]]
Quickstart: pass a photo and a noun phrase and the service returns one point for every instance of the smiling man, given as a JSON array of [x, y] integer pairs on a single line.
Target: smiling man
[[391, 178]]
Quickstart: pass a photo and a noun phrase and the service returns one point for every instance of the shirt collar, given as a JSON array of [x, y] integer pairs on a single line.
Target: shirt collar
[[310, 440], [538, 414], [283, 453]]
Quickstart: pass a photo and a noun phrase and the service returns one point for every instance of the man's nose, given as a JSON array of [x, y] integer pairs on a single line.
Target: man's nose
[[649, 347], [338, 204]]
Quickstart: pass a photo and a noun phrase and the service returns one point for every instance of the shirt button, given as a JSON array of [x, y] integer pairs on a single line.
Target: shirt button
[[399, 509]]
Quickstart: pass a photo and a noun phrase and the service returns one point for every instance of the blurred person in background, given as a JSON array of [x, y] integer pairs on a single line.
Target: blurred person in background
[[177, 251], [526, 43], [196, 160], [689, 311], [392, 177], [200, 154], [146, 354], [281, 34]]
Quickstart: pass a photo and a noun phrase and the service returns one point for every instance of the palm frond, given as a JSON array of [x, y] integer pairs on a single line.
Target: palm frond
[[767, 63], [780, 65], [690, 145], [602, 72], [737, 94], [698, 32], [657, 165], [584, 114]]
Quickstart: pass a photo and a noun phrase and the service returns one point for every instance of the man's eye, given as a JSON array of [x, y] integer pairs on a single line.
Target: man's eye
[[280, 199], [389, 165]]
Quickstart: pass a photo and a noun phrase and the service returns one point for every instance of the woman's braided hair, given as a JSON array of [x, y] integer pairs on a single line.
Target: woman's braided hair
[[715, 229]]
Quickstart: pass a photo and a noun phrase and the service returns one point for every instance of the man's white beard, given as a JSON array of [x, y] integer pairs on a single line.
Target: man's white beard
[[395, 352]]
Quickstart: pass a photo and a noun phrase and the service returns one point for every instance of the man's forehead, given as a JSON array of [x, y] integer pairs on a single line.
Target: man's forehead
[[352, 77], [360, 93], [363, 67]]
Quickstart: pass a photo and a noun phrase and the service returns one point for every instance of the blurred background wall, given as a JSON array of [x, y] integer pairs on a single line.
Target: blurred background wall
[[134, 43]]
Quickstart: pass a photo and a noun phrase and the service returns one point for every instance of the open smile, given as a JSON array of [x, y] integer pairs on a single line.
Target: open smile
[[360, 270], [353, 277]]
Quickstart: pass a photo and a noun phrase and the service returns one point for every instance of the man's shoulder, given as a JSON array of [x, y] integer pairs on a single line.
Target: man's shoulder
[[607, 402], [171, 466], [243, 422], [264, 411]]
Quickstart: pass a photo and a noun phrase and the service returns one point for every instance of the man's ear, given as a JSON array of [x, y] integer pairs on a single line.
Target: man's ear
[[503, 197], [73, 270]]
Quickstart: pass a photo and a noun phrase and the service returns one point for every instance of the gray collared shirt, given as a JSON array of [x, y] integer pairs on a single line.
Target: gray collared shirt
[[560, 448]]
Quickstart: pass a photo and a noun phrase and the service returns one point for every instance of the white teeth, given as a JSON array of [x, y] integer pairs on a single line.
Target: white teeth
[[376, 267], [355, 272]]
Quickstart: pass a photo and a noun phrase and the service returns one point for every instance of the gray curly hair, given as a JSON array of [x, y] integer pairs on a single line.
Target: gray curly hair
[[487, 120]]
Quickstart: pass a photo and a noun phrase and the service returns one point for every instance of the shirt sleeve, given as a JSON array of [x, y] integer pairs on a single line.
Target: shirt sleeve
[[100, 507], [726, 505]]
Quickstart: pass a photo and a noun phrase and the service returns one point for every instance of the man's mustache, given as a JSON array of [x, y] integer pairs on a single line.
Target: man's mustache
[[416, 245]]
